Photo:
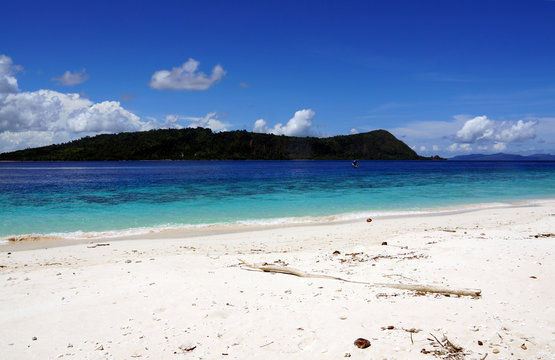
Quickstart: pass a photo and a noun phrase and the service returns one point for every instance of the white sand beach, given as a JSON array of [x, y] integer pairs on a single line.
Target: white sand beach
[[183, 297]]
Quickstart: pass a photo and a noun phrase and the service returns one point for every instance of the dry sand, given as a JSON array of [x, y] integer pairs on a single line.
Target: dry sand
[[189, 297]]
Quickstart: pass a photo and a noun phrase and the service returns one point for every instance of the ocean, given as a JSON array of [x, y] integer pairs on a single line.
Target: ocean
[[75, 199]]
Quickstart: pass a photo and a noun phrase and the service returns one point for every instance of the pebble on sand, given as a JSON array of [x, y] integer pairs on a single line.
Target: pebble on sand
[[362, 343]]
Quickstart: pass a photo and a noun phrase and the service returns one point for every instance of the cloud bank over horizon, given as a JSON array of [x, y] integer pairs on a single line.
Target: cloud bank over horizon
[[43, 117], [466, 134], [482, 129]]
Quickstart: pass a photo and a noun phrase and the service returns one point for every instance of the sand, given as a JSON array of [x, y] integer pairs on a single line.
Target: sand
[[190, 298]]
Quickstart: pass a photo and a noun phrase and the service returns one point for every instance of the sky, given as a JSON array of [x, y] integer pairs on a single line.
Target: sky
[[445, 77]]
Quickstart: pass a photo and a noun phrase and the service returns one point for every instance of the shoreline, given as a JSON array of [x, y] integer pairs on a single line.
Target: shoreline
[[39, 241], [177, 297]]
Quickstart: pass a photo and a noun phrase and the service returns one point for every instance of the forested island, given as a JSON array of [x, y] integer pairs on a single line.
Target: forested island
[[203, 144]]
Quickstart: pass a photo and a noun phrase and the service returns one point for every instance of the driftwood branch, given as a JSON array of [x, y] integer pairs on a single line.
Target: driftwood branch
[[411, 287]]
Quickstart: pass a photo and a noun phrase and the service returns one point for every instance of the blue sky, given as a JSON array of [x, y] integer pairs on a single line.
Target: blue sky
[[446, 77]]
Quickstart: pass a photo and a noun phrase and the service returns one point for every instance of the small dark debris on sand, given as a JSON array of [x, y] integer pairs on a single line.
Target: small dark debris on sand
[[362, 343], [543, 235], [98, 244]]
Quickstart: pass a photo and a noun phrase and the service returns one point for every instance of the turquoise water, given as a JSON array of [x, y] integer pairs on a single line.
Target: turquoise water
[[69, 197]]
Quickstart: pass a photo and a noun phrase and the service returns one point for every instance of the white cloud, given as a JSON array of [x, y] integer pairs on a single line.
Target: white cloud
[[475, 129], [70, 79], [518, 132], [186, 77], [299, 125], [43, 117], [482, 129], [499, 146], [353, 131], [171, 122], [422, 148], [10, 141], [455, 147], [479, 130], [260, 126], [47, 110], [244, 84], [435, 148], [209, 121], [107, 116], [8, 82]]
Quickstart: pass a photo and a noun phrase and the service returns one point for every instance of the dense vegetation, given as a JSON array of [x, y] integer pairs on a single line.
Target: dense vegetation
[[203, 144]]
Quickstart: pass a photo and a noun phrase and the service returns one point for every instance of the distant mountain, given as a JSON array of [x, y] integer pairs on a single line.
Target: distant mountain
[[503, 157], [203, 144]]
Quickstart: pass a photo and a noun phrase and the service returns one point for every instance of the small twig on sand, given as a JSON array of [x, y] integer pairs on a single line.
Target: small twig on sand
[[451, 345], [98, 244], [439, 342]]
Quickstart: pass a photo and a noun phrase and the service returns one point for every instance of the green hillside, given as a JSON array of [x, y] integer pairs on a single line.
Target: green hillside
[[203, 144]]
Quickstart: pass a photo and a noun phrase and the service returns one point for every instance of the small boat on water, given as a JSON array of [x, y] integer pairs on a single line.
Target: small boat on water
[[355, 164]]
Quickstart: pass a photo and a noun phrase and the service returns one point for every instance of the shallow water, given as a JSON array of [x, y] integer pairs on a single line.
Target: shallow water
[[69, 197]]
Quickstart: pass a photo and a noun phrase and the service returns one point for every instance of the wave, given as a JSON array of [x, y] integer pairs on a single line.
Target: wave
[[255, 223]]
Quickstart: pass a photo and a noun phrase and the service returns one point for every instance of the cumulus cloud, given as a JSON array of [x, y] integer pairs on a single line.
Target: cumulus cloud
[[70, 79], [499, 146], [353, 131], [260, 126], [38, 118], [475, 129], [482, 129], [209, 121], [299, 125], [42, 117], [186, 77], [47, 110], [8, 82], [520, 131]]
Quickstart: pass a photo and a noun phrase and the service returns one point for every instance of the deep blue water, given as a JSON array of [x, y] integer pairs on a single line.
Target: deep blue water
[[63, 197]]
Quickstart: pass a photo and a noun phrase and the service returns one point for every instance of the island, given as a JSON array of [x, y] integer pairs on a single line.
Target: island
[[204, 144]]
